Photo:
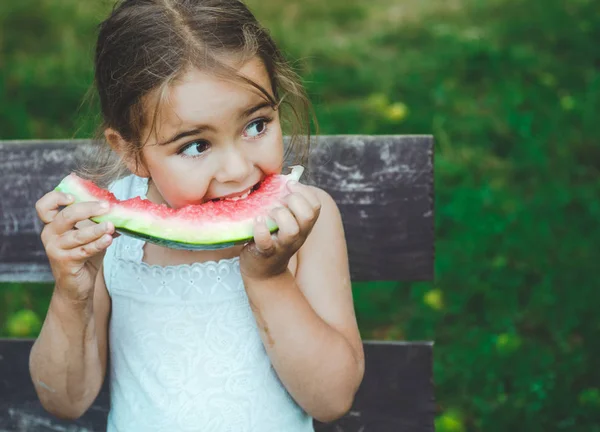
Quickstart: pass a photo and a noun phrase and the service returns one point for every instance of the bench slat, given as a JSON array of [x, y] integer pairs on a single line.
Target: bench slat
[[396, 395], [382, 184]]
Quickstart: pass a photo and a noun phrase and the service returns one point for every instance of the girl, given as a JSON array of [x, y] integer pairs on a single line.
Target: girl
[[257, 337]]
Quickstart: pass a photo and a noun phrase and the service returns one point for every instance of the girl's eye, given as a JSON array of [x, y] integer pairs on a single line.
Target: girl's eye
[[254, 130], [194, 149], [257, 128]]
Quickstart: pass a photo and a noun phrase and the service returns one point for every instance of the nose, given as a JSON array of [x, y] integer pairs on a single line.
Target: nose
[[235, 166]]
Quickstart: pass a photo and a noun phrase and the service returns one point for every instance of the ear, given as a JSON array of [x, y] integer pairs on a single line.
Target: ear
[[123, 148]]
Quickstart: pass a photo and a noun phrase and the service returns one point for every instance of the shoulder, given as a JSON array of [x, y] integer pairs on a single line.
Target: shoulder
[[329, 212], [328, 230], [323, 196]]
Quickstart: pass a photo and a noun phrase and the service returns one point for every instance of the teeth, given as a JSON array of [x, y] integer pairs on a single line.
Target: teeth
[[237, 198]]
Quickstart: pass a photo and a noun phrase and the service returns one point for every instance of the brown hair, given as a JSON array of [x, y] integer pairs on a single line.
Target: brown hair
[[145, 45]]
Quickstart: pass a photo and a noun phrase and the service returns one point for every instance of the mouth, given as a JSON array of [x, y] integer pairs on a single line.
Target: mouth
[[238, 195]]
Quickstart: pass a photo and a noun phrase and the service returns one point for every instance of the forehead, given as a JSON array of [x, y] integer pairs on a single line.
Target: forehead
[[199, 97]]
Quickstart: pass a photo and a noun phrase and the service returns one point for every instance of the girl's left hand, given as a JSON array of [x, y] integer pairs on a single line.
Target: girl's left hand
[[269, 254]]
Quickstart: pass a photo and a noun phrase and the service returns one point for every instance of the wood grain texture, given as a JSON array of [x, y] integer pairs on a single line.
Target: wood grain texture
[[383, 186], [396, 394]]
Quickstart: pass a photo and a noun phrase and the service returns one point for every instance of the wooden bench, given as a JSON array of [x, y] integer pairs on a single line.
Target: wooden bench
[[384, 188]]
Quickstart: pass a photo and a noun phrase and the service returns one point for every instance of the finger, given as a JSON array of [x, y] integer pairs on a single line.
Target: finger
[[88, 222], [80, 237], [302, 211], [307, 192], [47, 207], [263, 240], [69, 216], [86, 251], [288, 226]]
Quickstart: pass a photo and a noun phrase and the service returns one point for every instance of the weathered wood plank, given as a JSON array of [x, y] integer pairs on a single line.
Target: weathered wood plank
[[382, 184], [20, 409], [396, 394]]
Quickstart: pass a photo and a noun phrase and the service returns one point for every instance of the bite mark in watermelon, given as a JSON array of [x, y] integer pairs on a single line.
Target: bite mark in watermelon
[[211, 225]]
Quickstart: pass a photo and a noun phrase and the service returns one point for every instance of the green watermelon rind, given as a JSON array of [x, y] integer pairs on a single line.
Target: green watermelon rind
[[177, 236], [174, 244]]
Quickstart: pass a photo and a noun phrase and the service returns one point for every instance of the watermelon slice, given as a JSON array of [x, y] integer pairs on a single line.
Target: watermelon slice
[[211, 225]]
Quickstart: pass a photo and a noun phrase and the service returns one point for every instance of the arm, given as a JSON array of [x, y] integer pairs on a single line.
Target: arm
[[307, 322], [67, 362]]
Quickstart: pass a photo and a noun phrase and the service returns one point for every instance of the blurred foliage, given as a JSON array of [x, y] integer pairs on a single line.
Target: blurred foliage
[[511, 91]]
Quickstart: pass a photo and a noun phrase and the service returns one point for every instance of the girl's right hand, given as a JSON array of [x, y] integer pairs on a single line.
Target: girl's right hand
[[70, 249]]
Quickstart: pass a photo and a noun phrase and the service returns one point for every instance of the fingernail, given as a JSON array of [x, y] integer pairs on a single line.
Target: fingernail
[[260, 219], [292, 183], [70, 198], [104, 205]]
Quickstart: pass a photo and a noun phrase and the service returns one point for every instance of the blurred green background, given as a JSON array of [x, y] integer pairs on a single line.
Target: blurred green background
[[511, 91]]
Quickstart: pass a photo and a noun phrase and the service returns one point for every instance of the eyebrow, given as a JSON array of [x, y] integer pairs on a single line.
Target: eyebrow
[[201, 128]]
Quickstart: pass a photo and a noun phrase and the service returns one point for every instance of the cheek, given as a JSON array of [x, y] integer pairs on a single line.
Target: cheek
[[273, 154], [178, 181]]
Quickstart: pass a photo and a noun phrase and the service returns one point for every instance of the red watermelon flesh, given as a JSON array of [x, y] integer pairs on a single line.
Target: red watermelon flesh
[[210, 225]]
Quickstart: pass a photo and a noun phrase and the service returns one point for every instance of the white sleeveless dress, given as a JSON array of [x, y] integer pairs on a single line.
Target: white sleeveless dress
[[185, 350]]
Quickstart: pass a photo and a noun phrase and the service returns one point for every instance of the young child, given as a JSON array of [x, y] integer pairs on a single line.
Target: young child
[[257, 337]]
